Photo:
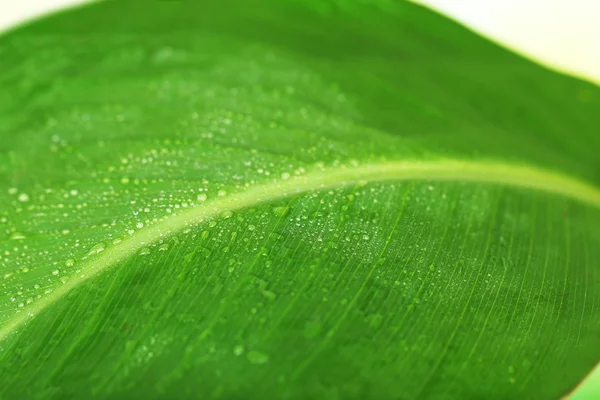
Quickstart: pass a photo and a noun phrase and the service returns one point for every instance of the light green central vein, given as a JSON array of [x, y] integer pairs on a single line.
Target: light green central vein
[[441, 170]]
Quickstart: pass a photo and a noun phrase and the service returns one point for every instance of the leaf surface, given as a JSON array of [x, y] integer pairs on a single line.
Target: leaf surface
[[297, 200]]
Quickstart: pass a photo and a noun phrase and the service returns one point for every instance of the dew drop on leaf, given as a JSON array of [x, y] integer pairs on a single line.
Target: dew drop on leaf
[[269, 295], [238, 350], [281, 211], [97, 248], [375, 320], [17, 236], [163, 247], [257, 358]]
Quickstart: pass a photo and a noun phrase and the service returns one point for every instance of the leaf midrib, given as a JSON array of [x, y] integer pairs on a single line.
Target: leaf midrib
[[492, 172]]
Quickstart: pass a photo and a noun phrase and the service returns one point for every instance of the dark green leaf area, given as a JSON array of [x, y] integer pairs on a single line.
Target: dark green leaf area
[[334, 295]]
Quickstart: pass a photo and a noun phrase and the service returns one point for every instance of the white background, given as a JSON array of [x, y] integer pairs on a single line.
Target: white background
[[564, 34]]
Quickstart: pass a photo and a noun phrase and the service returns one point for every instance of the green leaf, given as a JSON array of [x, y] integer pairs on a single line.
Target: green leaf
[[291, 200]]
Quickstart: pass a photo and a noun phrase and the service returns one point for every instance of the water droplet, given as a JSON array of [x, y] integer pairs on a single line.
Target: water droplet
[[202, 197], [98, 248], [238, 350], [16, 236], [145, 251], [285, 176], [281, 211], [227, 214], [12, 190], [222, 193], [55, 272], [375, 320], [139, 225], [124, 180], [275, 236], [205, 235], [261, 283], [251, 227], [257, 358], [23, 197], [163, 247], [269, 295], [189, 256], [70, 262]]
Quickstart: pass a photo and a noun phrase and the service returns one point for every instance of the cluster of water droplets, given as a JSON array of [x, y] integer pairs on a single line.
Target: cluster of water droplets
[[116, 186]]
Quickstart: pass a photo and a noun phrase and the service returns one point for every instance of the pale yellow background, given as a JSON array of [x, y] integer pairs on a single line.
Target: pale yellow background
[[563, 34]]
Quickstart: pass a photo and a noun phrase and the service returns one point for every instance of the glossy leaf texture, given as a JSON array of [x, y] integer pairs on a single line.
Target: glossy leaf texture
[[291, 200]]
